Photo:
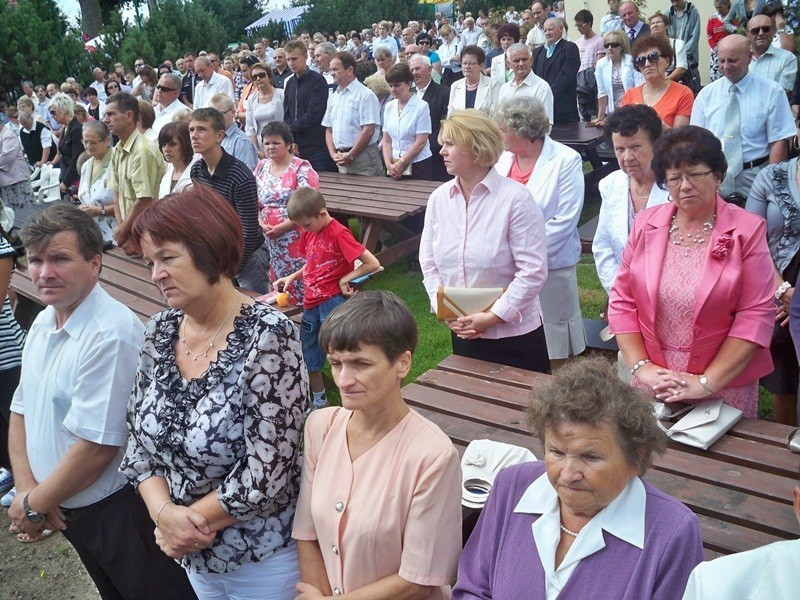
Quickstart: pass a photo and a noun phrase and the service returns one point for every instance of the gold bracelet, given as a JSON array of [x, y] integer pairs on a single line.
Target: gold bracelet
[[158, 514]]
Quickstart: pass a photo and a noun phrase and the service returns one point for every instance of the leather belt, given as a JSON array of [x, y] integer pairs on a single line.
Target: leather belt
[[755, 163], [344, 149]]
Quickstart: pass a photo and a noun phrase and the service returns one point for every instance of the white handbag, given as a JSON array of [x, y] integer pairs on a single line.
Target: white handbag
[[454, 302], [704, 424]]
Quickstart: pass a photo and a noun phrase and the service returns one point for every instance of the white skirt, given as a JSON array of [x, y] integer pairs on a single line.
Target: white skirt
[[561, 312]]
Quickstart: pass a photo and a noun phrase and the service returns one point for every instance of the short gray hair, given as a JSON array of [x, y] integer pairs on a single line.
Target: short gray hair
[[518, 47], [327, 48], [524, 117], [25, 116], [97, 127], [63, 104], [419, 58], [176, 80], [382, 52], [203, 59]]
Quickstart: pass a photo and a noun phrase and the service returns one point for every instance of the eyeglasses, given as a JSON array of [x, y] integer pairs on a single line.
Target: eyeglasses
[[138, 65], [89, 142], [469, 64], [612, 45], [692, 178], [423, 43], [53, 112], [652, 58], [762, 29], [112, 87], [162, 88], [259, 75]]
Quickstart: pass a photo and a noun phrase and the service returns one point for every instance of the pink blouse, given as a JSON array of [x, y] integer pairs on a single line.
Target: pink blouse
[[396, 509]]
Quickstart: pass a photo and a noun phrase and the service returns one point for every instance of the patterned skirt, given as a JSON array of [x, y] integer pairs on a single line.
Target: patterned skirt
[[17, 195]]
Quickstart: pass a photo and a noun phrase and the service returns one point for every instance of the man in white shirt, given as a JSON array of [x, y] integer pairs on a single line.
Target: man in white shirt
[[351, 120], [27, 89], [525, 82], [470, 34], [210, 83], [99, 83], [322, 54], [766, 573], [68, 426], [168, 92], [611, 20], [384, 39], [765, 117], [768, 60], [536, 34]]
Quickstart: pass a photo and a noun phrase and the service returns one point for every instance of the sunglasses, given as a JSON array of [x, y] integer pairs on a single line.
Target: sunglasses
[[113, 87], [651, 58], [762, 29], [139, 65], [259, 75], [161, 88], [423, 43], [612, 45]]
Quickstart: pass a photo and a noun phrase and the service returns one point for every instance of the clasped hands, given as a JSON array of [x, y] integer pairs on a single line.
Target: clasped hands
[[182, 530], [54, 518], [474, 326], [671, 386]]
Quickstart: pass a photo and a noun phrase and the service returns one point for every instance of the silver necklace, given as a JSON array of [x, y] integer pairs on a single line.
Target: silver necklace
[[691, 240], [204, 354], [569, 531]]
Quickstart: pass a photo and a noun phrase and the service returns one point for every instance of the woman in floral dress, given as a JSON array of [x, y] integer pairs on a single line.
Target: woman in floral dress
[[278, 175]]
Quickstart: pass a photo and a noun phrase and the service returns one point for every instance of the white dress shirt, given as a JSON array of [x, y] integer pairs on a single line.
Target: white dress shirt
[[497, 239], [75, 385], [206, 89], [765, 113], [404, 127], [164, 115], [532, 86], [623, 518], [776, 64], [349, 110], [535, 37]]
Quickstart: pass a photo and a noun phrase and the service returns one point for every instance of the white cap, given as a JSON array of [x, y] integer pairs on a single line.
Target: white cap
[[480, 464]]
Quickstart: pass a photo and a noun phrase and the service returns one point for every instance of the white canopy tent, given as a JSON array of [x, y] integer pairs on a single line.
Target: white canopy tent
[[290, 17]]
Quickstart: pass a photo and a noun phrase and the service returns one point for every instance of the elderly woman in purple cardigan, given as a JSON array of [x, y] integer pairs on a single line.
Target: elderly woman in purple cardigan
[[583, 524]]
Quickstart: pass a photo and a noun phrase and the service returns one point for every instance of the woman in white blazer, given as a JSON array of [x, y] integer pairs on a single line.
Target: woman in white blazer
[[633, 130], [475, 90], [508, 34], [553, 174], [615, 74]]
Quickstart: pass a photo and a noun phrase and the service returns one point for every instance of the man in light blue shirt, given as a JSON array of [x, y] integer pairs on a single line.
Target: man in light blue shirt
[[765, 117], [768, 60], [235, 141]]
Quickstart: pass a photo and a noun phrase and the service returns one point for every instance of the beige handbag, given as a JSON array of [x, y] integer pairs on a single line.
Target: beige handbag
[[454, 302]]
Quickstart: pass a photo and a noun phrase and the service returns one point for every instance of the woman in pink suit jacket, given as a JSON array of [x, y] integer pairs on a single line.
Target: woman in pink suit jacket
[[692, 305]]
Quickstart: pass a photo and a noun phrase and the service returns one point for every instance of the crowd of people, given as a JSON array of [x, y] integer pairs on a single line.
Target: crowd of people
[[205, 439]]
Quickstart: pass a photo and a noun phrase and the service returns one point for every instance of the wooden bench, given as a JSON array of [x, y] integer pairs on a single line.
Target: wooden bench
[[125, 278], [383, 205], [740, 488], [585, 141]]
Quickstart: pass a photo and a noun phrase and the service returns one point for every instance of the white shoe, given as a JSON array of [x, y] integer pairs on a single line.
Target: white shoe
[[8, 498]]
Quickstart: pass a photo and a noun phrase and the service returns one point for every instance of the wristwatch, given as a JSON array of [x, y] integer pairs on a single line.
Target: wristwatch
[[31, 515], [704, 382]]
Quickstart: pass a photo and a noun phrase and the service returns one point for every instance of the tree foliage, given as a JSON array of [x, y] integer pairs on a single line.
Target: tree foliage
[[173, 28], [233, 15], [328, 16], [38, 45]]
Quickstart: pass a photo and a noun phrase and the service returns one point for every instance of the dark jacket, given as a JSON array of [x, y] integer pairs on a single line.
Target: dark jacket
[[437, 96], [70, 147], [561, 72], [305, 99]]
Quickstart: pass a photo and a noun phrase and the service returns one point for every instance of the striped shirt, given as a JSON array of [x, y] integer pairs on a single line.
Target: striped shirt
[[11, 335], [235, 182]]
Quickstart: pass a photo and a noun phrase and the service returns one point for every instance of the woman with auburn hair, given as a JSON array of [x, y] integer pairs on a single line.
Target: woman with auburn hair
[[217, 407], [497, 241]]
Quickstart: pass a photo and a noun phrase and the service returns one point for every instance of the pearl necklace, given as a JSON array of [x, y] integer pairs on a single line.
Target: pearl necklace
[[204, 354], [693, 240], [569, 531]]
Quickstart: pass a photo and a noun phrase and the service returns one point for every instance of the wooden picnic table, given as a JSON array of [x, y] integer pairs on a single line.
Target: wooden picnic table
[[382, 204], [740, 488], [585, 140], [125, 278]]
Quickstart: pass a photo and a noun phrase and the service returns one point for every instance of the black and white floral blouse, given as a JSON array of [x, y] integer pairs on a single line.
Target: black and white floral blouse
[[236, 429]]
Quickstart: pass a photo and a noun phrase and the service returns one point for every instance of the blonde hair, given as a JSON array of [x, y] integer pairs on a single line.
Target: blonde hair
[[475, 132], [618, 36]]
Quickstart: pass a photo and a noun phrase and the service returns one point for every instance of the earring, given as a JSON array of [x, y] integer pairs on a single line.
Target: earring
[[795, 144]]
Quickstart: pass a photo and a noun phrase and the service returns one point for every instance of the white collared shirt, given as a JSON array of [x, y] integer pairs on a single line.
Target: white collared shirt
[[349, 110], [206, 89], [532, 86], [623, 518], [777, 64], [75, 384], [164, 115], [403, 127]]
